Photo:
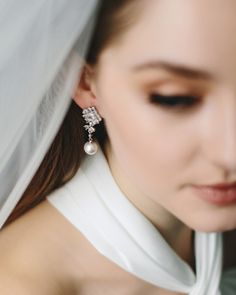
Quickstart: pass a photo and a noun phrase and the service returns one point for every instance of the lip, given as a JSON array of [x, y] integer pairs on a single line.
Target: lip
[[220, 194]]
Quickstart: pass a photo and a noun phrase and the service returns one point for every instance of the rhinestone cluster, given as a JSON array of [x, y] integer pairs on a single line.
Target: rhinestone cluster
[[92, 118]]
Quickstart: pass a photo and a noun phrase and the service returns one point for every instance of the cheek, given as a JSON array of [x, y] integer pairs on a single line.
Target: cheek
[[150, 147]]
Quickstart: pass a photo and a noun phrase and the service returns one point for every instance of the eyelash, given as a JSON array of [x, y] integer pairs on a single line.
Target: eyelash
[[174, 101]]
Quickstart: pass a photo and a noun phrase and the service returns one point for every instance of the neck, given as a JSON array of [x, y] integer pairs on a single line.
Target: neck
[[176, 233]]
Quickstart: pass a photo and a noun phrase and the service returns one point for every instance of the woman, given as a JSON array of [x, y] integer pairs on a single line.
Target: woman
[[142, 218]]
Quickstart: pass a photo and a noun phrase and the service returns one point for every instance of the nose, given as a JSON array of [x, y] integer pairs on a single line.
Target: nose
[[221, 135]]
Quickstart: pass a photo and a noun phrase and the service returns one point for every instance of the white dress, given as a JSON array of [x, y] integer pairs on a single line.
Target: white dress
[[94, 204]]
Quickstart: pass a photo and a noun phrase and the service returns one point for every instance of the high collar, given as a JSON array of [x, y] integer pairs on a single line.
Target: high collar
[[119, 231]]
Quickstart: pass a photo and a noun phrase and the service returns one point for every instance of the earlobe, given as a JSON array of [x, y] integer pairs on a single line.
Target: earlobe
[[84, 95]]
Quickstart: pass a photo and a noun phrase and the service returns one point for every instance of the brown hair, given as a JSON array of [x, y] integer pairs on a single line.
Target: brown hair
[[66, 152]]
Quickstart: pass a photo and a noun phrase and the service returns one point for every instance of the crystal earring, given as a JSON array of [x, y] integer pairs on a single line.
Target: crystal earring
[[92, 118]]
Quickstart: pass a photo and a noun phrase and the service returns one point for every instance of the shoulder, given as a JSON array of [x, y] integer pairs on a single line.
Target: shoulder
[[35, 251]]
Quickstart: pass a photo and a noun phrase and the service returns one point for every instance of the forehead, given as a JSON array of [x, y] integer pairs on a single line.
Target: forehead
[[200, 33]]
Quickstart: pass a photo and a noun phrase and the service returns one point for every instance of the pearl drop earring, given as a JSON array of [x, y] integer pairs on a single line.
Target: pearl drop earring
[[92, 118]]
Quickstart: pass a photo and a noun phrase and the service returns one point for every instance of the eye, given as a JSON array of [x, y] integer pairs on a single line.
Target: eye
[[174, 101]]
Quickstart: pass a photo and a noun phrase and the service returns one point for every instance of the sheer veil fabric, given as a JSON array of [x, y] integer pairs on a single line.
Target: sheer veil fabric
[[94, 204], [42, 48]]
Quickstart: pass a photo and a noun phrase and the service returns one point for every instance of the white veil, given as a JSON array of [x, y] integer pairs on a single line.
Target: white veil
[[42, 43]]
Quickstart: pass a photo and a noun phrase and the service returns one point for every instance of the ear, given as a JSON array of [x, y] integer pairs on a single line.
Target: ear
[[84, 94]]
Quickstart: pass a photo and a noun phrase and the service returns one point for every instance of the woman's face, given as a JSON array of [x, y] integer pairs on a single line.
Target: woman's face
[[167, 93]]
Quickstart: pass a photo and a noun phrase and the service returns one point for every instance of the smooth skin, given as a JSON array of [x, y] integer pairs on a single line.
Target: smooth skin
[[156, 152]]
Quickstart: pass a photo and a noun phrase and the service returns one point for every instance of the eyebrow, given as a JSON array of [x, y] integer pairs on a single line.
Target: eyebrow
[[176, 69]]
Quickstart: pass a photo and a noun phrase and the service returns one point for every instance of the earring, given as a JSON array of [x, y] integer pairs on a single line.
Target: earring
[[92, 118]]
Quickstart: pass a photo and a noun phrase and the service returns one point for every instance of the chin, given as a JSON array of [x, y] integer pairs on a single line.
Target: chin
[[213, 225], [204, 217]]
